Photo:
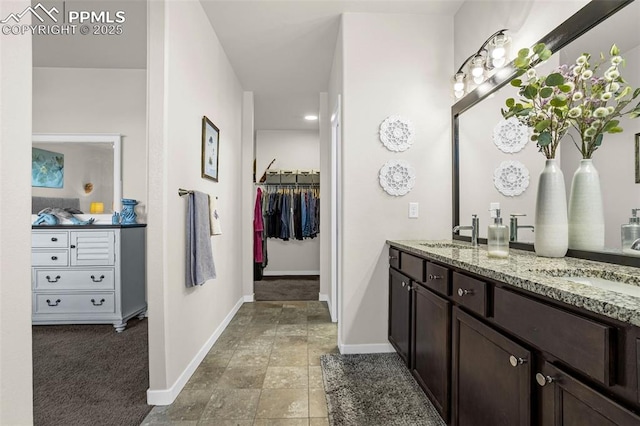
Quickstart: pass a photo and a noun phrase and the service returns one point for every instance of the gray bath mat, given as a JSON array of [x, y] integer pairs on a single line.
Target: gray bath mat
[[374, 390]]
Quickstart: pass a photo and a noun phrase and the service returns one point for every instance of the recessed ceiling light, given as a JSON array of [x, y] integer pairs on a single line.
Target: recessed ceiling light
[[311, 117]]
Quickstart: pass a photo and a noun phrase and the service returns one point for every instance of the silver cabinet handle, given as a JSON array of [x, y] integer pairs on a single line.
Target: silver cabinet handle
[[53, 304], [55, 280], [408, 288], [543, 380], [97, 304], [93, 278], [392, 257], [435, 277], [515, 361], [403, 284], [464, 292]]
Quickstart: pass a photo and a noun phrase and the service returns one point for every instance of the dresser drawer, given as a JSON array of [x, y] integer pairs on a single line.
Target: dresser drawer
[[50, 258], [470, 293], [90, 279], [49, 239], [394, 257], [68, 303], [582, 343], [412, 266], [438, 279]]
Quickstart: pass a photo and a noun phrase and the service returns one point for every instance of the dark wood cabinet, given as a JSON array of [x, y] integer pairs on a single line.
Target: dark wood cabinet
[[400, 313], [565, 401], [431, 343], [491, 376]]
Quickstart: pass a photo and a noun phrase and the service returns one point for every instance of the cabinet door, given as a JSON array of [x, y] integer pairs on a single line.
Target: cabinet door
[[400, 313], [565, 401], [92, 248], [491, 376], [431, 349]]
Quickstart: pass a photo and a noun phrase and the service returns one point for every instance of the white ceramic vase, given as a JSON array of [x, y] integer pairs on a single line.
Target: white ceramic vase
[[551, 227], [586, 215]]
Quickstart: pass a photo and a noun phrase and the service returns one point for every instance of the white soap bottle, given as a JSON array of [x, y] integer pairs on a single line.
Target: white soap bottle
[[498, 234]]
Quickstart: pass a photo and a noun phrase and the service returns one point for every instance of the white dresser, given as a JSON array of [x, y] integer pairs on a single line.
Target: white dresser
[[88, 274]]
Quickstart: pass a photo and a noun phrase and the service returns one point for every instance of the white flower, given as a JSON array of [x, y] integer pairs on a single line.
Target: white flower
[[571, 85], [531, 73], [581, 60], [577, 96], [613, 87], [612, 75], [610, 109], [586, 74], [606, 96], [616, 60], [576, 71], [590, 132], [601, 112], [575, 112]]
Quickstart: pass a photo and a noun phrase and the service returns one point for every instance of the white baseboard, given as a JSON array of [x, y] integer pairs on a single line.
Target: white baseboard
[[167, 396], [325, 298], [249, 298], [276, 273], [376, 348]]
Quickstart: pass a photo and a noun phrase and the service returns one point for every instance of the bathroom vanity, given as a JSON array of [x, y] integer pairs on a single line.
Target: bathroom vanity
[[518, 341], [88, 274]]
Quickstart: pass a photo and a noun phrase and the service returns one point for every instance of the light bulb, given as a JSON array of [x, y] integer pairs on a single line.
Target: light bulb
[[498, 62], [458, 86], [458, 94], [498, 52]]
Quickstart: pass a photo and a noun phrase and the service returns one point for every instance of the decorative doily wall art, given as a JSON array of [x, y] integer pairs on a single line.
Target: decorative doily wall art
[[510, 135], [511, 178], [396, 133], [397, 177]]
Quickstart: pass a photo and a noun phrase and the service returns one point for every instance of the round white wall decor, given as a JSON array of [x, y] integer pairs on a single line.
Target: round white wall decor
[[510, 135], [396, 133], [397, 177], [511, 178]]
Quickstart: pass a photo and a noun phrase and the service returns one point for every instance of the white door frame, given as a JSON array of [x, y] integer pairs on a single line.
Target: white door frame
[[336, 184]]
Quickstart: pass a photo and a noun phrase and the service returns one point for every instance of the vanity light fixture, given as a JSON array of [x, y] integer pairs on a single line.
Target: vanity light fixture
[[311, 117], [491, 55]]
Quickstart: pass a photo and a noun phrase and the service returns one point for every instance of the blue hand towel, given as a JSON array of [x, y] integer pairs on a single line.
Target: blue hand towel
[[200, 267]]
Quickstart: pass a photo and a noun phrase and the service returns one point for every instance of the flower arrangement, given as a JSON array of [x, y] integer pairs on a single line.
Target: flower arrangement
[[572, 96]]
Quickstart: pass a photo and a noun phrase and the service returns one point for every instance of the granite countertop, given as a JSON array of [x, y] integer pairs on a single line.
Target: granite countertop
[[541, 275]]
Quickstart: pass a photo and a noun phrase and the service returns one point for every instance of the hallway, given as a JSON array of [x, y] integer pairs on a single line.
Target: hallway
[[263, 370]]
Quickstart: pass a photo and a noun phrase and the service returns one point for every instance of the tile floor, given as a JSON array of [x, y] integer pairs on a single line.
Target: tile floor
[[264, 370]]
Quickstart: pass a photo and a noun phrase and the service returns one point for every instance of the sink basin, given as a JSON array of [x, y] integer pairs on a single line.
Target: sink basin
[[446, 245], [605, 280]]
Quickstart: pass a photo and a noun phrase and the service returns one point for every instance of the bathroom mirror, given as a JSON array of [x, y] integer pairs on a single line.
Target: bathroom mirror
[[476, 117], [92, 173]]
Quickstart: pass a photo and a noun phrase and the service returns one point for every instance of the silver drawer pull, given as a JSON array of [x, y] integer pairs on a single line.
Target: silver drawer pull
[[435, 277], [54, 239], [392, 257], [53, 304], [464, 292], [515, 361], [93, 278], [408, 288], [403, 284], [97, 304], [54, 257], [54, 280], [543, 380]]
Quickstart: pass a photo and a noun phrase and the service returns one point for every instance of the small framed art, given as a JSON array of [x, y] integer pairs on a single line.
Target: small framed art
[[210, 145]]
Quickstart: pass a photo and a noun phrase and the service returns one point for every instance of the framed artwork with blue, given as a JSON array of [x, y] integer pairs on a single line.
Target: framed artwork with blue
[[210, 145], [47, 169]]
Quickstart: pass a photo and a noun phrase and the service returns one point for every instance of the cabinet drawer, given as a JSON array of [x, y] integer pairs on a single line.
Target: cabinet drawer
[[582, 343], [50, 258], [438, 279], [67, 303], [412, 266], [91, 279], [394, 258], [470, 293], [49, 239]]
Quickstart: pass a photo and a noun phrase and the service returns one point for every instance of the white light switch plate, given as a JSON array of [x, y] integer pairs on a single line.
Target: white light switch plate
[[413, 210]]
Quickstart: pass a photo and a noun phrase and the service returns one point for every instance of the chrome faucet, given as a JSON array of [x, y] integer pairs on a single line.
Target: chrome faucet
[[513, 226], [474, 228], [636, 245]]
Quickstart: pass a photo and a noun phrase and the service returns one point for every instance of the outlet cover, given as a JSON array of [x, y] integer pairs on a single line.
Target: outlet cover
[[413, 210]]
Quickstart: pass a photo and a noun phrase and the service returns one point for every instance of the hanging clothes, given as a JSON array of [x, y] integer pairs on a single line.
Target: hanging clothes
[[258, 228], [290, 213]]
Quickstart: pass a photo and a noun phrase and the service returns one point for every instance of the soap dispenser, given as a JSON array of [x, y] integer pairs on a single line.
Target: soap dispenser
[[630, 233], [498, 234]]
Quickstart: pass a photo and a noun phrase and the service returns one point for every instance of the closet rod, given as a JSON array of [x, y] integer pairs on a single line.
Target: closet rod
[[293, 185]]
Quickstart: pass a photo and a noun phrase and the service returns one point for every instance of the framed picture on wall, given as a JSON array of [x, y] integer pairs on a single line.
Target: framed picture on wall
[[210, 145], [637, 157]]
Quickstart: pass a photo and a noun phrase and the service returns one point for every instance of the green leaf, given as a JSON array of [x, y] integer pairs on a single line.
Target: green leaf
[[614, 50], [558, 102], [523, 112], [636, 93], [510, 102], [542, 125], [523, 53], [545, 92], [565, 88], [624, 93], [611, 124], [521, 62], [598, 139], [530, 92], [554, 79], [516, 82], [616, 130], [539, 48], [544, 139], [546, 54]]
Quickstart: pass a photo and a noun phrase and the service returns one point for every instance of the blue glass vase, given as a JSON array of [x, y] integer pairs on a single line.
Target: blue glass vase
[[128, 214]]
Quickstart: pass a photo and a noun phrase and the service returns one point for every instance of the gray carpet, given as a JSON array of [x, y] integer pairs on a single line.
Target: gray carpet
[[90, 375], [374, 390], [303, 287]]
